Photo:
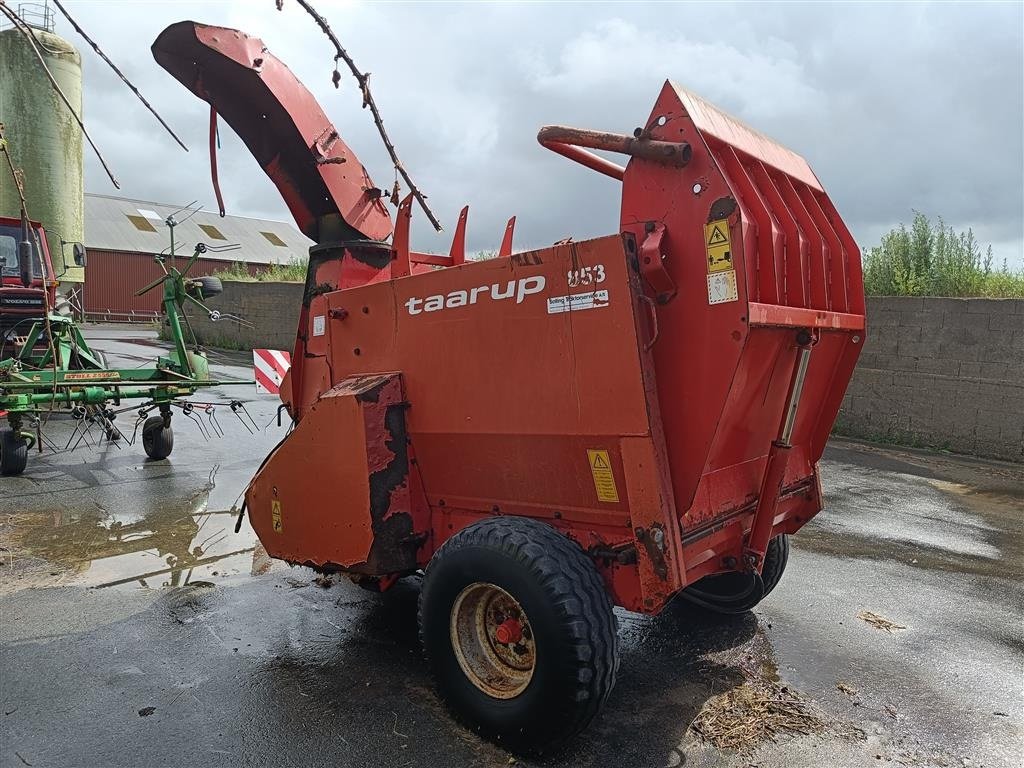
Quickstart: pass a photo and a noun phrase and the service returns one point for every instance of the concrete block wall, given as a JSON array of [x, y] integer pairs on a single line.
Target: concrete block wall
[[271, 308], [941, 373]]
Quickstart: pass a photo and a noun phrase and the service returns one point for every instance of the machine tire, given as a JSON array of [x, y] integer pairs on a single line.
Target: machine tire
[[775, 559], [13, 453], [368, 583], [209, 286], [732, 593], [157, 440], [568, 636]]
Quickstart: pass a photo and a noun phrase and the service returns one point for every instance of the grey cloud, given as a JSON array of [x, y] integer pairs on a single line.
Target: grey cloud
[[896, 107]]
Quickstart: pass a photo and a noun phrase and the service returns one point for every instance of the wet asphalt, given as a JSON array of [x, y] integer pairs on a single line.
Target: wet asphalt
[[137, 629]]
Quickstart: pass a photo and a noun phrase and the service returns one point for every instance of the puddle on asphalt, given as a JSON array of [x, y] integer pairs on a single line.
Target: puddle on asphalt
[[931, 524], [1002, 511], [167, 546]]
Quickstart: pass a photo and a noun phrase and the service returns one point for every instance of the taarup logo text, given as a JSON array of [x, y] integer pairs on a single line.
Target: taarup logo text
[[519, 289]]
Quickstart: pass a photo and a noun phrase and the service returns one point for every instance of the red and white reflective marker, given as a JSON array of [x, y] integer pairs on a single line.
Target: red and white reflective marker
[[270, 366]]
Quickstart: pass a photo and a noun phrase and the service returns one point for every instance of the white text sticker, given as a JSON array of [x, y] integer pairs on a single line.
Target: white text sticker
[[577, 301], [319, 325]]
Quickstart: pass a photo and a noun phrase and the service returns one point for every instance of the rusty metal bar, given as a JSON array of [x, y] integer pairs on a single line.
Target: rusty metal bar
[[588, 159], [560, 138]]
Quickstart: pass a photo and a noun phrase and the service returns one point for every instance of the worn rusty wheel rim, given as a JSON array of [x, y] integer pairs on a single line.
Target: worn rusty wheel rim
[[482, 616]]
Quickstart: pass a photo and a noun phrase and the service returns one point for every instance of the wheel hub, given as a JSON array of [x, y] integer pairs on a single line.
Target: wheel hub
[[493, 640], [509, 632]]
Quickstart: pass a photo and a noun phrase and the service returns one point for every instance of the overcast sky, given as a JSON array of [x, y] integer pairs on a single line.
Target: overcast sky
[[896, 107]]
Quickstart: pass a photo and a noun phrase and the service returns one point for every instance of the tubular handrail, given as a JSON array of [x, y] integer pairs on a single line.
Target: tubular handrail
[[569, 142]]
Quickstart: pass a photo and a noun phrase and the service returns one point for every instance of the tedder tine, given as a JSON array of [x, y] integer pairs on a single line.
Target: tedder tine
[[187, 411], [238, 408], [211, 416], [150, 286]]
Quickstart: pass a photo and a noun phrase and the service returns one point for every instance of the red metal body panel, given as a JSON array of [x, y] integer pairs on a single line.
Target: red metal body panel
[[374, 536], [662, 395], [720, 424], [529, 455]]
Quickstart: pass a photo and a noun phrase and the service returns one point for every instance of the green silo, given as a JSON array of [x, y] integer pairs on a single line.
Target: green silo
[[43, 138]]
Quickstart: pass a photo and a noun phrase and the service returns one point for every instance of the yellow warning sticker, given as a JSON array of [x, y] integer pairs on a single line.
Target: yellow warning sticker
[[719, 249], [275, 516], [604, 480]]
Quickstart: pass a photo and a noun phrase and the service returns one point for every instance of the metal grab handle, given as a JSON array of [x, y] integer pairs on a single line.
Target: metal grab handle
[[568, 142], [654, 320]]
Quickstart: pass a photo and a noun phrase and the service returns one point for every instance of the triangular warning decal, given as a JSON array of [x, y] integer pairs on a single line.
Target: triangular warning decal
[[717, 237], [599, 462]]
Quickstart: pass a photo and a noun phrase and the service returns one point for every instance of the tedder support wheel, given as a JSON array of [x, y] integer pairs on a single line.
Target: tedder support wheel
[[209, 286], [157, 440], [13, 453], [739, 592], [518, 631]]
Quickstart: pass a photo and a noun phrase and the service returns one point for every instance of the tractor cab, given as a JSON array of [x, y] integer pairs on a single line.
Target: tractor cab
[[22, 297]]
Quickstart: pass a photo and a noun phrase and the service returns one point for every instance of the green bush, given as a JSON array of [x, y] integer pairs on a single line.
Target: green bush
[[936, 260], [292, 272]]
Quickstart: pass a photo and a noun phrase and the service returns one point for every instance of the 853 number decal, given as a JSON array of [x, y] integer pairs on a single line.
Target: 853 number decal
[[586, 276]]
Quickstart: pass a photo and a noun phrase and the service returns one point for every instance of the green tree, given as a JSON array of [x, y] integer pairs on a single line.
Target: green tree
[[933, 259]]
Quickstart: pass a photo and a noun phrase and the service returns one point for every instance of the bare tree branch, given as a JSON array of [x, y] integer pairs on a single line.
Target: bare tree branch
[[118, 72], [23, 28], [364, 87]]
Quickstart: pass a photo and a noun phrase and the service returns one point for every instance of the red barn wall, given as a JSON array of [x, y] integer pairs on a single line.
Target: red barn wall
[[112, 277]]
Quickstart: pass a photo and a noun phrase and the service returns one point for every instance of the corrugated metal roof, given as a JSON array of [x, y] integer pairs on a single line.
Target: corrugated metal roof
[[108, 227]]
